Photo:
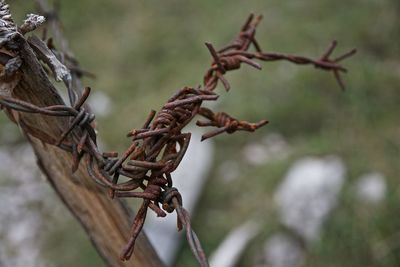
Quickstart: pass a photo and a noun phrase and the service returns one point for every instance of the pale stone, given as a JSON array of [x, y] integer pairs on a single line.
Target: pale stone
[[228, 171], [271, 148], [308, 193], [371, 188], [229, 251], [282, 250], [20, 224], [100, 104]]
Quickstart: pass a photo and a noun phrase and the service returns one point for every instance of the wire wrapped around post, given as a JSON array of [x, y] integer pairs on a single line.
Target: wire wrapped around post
[[159, 146]]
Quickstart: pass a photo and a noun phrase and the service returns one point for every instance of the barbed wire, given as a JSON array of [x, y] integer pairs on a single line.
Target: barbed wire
[[160, 144]]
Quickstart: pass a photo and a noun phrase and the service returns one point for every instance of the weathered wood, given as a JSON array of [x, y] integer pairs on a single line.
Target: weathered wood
[[106, 221]]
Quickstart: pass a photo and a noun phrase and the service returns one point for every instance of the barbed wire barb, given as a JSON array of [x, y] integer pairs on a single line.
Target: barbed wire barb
[[157, 147]]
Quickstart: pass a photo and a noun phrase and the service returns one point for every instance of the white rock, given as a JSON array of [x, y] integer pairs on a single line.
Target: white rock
[[278, 148], [282, 250], [308, 193], [229, 251], [272, 147], [371, 188], [228, 171], [189, 179], [100, 103], [255, 153], [20, 224]]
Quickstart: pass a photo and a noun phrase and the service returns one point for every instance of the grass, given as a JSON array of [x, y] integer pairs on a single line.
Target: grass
[[142, 51]]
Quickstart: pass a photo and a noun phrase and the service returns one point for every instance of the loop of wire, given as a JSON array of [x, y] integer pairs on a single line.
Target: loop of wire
[[159, 145]]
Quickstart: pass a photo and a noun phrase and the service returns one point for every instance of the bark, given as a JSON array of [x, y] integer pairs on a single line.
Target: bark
[[105, 220]]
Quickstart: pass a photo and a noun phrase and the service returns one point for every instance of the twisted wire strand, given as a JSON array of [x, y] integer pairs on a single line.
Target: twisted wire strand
[[159, 145]]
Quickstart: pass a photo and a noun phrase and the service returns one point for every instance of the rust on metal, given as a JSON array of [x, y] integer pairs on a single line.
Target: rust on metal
[[160, 144]]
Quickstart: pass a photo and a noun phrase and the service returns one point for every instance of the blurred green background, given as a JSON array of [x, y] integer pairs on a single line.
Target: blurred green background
[[142, 51]]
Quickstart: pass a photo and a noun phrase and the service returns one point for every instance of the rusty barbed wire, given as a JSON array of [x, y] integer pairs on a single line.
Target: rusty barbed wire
[[233, 55], [226, 123], [160, 144]]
